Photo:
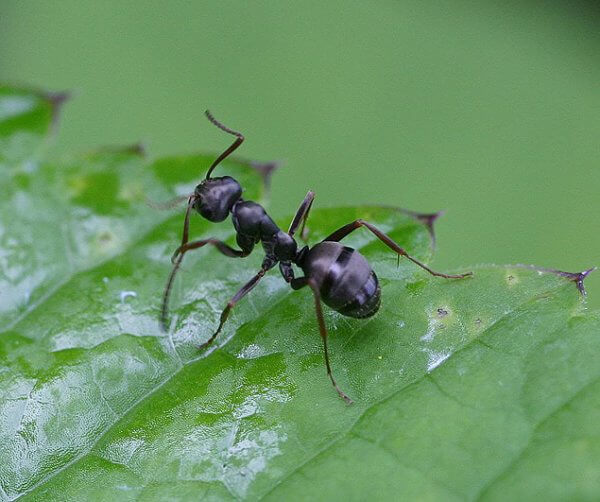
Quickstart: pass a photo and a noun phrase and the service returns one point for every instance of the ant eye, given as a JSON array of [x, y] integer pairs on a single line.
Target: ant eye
[[198, 190]]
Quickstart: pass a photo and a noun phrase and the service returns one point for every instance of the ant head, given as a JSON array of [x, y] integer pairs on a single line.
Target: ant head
[[215, 197]]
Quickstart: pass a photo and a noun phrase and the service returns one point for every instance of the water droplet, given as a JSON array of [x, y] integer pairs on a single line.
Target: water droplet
[[126, 294], [252, 351]]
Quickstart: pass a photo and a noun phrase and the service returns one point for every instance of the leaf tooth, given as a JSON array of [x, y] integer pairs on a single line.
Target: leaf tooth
[[56, 100], [427, 219], [136, 149], [266, 170], [576, 277]]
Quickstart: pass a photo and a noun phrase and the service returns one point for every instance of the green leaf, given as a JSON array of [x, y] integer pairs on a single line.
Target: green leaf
[[487, 387], [25, 118]]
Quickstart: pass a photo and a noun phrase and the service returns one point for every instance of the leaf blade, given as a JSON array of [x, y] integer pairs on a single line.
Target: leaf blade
[[461, 387]]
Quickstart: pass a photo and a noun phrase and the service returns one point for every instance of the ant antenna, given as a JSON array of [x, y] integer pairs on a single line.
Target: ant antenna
[[169, 204], [226, 153]]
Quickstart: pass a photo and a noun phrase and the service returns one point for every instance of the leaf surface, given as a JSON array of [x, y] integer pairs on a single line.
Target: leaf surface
[[483, 388]]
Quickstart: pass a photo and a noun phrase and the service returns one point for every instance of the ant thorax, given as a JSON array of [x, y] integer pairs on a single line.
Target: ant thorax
[[251, 222]]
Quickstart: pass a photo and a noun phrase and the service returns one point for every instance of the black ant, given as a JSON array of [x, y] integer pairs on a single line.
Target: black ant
[[337, 275]]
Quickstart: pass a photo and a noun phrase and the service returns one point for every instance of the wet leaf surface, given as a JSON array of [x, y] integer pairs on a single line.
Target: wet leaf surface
[[480, 388]]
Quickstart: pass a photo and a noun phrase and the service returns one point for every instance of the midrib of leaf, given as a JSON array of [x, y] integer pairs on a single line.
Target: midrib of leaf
[[390, 396]]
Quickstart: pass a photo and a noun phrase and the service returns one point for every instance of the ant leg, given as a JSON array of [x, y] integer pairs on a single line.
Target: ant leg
[[184, 241], [166, 294], [244, 290], [178, 258], [350, 227], [220, 245], [298, 283], [186, 221], [302, 215], [169, 204]]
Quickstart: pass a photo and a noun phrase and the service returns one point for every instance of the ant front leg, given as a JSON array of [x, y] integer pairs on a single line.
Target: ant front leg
[[176, 264], [350, 227], [223, 248], [244, 290], [301, 216], [177, 258], [298, 283]]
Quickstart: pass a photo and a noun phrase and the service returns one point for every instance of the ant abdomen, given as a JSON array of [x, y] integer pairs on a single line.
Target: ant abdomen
[[367, 300], [345, 279]]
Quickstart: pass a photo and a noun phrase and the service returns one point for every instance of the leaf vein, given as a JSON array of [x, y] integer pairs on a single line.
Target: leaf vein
[[393, 394], [513, 462]]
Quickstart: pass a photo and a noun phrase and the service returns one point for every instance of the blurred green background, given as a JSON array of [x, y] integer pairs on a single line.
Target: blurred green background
[[490, 110]]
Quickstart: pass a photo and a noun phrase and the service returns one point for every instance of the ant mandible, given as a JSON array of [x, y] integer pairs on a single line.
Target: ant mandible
[[338, 275]]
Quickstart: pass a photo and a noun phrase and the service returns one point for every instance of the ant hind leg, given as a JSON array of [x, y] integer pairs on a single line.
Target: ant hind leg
[[298, 283], [342, 232]]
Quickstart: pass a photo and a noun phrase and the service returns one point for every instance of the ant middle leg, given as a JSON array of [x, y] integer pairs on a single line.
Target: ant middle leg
[[350, 227], [244, 290], [299, 283]]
